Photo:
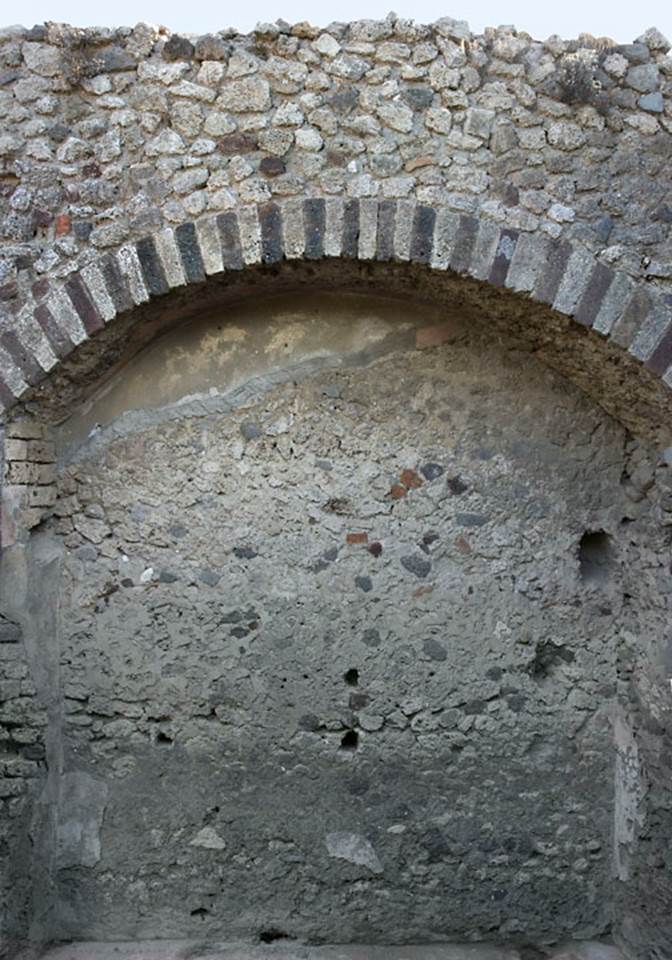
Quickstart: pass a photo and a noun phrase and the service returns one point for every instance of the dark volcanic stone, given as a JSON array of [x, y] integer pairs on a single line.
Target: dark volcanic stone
[[418, 98], [245, 553], [433, 649], [178, 48], [431, 471], [470, 519], [416, 565]]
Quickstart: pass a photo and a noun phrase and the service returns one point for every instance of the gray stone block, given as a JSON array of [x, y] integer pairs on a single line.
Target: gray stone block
[[528, 262]]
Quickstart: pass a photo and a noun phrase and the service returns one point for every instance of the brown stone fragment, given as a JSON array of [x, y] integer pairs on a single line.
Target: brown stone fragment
[[397, 491], [335, 158], [304, 30], [272, 166], [410, 479], [421, 591], [417, 162], [356, 537], [236, 143], [40, 288], [463, 545], [375, 548]]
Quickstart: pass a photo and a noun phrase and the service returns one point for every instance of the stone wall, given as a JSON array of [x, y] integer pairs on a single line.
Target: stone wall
[[337, 662], [22, 755], [111, 136], [523, 189], [642, 723], [28, 486]]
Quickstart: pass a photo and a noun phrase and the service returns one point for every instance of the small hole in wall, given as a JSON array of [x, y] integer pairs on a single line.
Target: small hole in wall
[[351, 677], [200, 912], [271, 935], [350, 740], [596, 556], [163, 739]]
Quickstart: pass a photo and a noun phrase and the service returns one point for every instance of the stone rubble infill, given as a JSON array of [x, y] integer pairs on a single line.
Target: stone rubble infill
[[193, 950]]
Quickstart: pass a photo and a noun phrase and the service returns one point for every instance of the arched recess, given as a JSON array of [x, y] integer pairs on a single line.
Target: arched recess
[[591, 323], [596, 324]]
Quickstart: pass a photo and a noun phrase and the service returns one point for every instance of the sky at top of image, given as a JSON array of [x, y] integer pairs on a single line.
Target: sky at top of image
[[601, 18]]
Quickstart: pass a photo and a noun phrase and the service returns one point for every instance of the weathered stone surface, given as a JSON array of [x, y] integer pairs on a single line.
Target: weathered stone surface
[[479, 122], [643, 78], [210, 48], [204, 581], [397, 116], [166, 142], [249, 94], [653, 102], [438, 119], [565, 135], [136, 162]]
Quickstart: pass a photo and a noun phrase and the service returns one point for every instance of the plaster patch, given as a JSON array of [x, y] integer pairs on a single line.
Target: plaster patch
[[354, 848], [82, 804]]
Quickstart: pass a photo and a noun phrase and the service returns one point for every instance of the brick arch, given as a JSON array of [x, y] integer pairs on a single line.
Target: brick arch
[[558, 274]]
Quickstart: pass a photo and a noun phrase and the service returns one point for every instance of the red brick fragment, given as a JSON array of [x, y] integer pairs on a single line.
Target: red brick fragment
[[397, 491], [356, 537], [410, 479], [62, 225]]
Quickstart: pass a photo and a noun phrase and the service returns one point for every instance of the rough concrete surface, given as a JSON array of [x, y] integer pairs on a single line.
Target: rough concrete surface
[[332, 637], [342, 619], [358, 594]]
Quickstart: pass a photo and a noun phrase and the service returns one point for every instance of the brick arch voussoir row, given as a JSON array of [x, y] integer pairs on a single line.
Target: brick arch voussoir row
[[561, 274]]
